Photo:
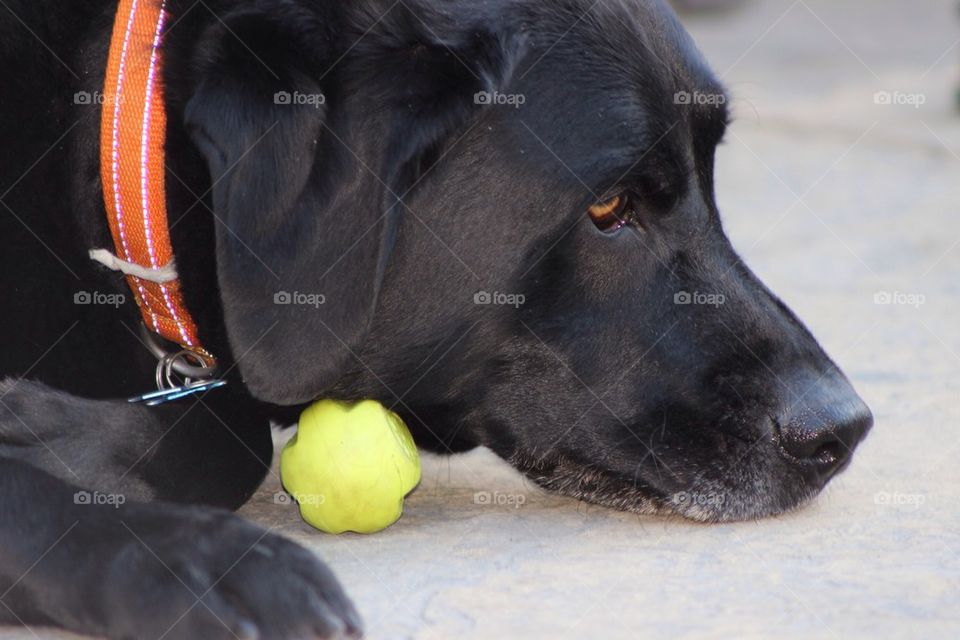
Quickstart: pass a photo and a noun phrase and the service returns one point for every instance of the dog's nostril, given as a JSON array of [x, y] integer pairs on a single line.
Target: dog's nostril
[[811, 442], [829, 453], [824, 439]]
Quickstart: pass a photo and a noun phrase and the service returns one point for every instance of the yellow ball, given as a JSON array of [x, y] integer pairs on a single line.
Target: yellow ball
[[350, 466]]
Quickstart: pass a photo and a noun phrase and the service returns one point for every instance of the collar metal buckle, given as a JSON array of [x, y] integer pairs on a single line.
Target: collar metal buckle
[[195, 368]]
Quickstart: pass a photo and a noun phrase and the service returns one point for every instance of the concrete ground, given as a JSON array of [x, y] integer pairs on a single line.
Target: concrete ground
[[833, 199]]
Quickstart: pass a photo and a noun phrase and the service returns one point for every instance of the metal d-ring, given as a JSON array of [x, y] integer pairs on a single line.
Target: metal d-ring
[[190, 364]]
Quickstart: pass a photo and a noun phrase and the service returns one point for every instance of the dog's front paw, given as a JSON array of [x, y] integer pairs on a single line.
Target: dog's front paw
[[212, 575]]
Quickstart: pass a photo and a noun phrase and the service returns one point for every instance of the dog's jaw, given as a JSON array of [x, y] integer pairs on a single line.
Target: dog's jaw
[[707, 501]]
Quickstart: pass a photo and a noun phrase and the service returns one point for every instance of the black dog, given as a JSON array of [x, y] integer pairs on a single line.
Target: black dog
[[508, 208]]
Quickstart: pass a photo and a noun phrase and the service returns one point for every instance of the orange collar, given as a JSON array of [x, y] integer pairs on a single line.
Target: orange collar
[[132, 139]]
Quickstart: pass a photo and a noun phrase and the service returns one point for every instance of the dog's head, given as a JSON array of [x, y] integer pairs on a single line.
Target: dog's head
[[500, 218]]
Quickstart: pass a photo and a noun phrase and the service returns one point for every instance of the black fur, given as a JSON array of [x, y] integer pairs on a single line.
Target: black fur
[[397, 199]]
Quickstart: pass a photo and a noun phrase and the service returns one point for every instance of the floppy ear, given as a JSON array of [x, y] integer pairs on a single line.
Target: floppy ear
[[306, 176]]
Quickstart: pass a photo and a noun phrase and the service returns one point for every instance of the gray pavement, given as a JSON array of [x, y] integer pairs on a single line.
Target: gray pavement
[[833, 199]]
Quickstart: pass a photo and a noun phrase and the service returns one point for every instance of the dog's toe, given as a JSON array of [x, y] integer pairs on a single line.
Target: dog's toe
[[218, 576]]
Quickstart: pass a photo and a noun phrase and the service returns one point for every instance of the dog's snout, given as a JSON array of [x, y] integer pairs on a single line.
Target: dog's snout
[[821, 431]]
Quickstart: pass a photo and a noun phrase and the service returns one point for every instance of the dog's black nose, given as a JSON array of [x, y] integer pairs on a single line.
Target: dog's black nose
[[824, 427]]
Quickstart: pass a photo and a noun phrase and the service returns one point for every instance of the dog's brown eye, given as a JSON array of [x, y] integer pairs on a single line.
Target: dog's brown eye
[[610, 215]]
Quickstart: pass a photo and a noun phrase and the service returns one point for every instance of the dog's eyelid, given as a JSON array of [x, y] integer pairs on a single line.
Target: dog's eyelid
[[644, 192]]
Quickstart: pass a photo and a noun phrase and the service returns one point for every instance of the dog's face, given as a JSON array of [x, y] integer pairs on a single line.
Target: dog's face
[[511, 220]]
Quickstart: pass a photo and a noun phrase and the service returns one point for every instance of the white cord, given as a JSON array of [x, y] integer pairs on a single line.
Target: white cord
[[166, 273]]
